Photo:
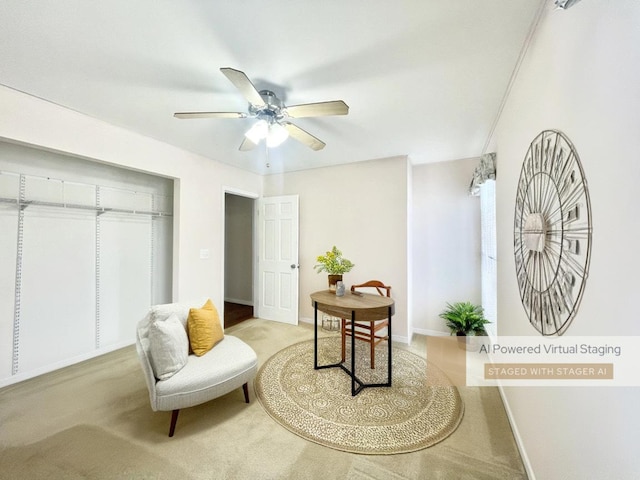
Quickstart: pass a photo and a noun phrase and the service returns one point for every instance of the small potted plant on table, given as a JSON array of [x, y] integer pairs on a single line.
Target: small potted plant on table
[[335, 265]]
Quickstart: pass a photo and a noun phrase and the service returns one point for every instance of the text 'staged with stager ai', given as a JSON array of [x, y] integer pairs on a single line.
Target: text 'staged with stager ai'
[[536, 361], [552, 361]]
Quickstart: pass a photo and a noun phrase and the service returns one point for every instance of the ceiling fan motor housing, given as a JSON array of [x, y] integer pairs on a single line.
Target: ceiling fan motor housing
[[273, 109]]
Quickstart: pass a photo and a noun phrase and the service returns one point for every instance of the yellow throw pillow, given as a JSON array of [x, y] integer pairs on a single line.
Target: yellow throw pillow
[[205, 330]]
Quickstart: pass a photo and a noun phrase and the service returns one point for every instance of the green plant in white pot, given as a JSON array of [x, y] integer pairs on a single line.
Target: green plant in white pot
[[465, 319]]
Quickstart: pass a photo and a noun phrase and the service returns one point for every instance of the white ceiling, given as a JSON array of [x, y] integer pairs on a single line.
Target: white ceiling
[[423, 78]]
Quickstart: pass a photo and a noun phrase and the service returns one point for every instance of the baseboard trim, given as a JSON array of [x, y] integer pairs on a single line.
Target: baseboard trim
[[516, 434], [239, 301], [21, 377], [429, 332]]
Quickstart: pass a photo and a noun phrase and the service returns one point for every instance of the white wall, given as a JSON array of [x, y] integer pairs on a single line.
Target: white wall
[[362, 208], [199, 188], [581, 75], [446, 241]]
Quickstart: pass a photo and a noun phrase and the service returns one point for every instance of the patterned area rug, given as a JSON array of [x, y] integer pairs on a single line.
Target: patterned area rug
[[317, 404]]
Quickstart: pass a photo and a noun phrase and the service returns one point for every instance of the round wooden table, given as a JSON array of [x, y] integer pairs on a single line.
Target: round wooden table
[[362, 308]]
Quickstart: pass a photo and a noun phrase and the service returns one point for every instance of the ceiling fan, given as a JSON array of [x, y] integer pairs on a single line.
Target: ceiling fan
[[271, 114]]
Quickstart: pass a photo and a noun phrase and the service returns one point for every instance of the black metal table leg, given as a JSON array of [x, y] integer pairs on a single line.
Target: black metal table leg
[[352, 374], [315, 343], [315, 335]]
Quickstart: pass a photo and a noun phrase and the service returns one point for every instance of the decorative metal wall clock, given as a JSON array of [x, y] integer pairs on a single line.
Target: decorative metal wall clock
[[552, 239]]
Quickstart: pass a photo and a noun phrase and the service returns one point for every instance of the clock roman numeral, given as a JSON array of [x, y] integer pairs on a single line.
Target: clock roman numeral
[[572, 214], [572, 246]]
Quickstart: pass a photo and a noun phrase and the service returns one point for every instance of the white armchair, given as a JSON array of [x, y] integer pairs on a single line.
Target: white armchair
[[175, 384]]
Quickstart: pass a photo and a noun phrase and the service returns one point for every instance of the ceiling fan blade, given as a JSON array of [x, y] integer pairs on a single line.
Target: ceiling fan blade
[[335, 107], [210, 115], [242, 83], [247, 145], [302, 136]]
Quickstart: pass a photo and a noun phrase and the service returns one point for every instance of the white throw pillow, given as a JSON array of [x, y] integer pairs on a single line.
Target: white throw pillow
[[168, 347], [159, 313]]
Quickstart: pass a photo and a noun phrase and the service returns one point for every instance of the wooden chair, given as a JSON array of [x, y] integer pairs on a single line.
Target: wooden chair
[[367, 331]]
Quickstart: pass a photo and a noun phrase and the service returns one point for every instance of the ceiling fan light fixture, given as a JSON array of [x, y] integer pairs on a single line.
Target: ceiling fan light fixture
[[258, 131], [277, 134]]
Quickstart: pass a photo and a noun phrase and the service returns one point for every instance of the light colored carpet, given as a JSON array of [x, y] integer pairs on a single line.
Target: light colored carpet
[[93, 420], [86, 451], [318, 405]]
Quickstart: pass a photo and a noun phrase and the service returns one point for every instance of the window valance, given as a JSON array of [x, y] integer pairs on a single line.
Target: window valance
[[484, 171]]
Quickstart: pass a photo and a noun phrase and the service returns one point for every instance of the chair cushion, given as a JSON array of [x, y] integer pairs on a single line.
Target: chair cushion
[[204, 327], [168, 347], [224, 368]]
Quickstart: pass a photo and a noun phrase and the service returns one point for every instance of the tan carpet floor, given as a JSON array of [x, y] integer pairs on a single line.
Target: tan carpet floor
[[93, 420]]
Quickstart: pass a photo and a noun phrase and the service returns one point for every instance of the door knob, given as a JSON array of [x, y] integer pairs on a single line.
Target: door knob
[[293, 265]]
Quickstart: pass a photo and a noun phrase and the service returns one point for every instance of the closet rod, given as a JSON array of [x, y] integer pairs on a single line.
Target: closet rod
[[100, 210]]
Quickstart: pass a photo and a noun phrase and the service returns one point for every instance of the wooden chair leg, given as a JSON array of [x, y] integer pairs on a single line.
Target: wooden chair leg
[[245, 389], [174, 419], [373, 350]]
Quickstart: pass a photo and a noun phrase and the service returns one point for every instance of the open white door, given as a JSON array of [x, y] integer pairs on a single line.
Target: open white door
[[278, 258]]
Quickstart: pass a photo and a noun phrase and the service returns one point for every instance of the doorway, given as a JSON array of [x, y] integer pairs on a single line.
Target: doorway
[[238, 259]]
